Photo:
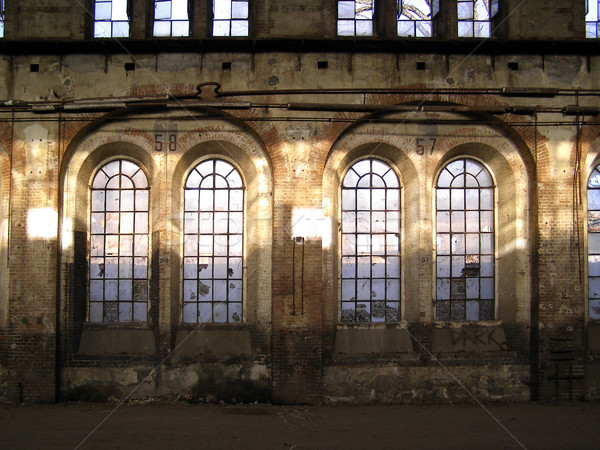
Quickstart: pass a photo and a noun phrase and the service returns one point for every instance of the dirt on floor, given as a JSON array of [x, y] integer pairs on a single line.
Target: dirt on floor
[[181, 425]]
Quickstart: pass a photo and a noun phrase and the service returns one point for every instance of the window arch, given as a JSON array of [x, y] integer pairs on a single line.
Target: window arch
[[593, 228], [370, 234], [465, 242], [213, 244], [118, 251]]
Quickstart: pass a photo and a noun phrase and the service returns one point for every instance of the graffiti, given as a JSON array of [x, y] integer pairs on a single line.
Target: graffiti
[[487, 337]]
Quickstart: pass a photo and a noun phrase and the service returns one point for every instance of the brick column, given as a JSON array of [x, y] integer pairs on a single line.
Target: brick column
[[32, 260]]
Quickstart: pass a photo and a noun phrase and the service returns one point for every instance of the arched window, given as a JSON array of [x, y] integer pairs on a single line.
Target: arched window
[[465, 242], [593, 227], [118, 258], [213, 244], [370, 285]]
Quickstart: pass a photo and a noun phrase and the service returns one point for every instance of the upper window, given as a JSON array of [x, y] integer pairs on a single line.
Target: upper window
[[118, 257], [593, 228], [370, 230], [464, 242], [1, 18], [111, 19], [475, 17], [355, 18], [592, 21], [213, 244], [171, 18], [415, 17], [230, 18]]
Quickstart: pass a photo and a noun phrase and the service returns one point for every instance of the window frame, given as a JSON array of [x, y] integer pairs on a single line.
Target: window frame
[[111, 21], [387, 319], [154, 21], [492, 10], [230, 19], [241, 280], [433, 11], [355, 20], [593, 209], [102, 269], [2, 18], [450, 254], [594, 19]]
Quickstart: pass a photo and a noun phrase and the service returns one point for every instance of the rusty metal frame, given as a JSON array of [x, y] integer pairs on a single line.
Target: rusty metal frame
[[138, 284], [474, 271], [204, 290], [355, 255]]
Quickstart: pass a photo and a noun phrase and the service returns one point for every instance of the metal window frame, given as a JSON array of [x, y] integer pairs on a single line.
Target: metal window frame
[[170, 19], [199, 280], [111, 21], [440, 304], [595, 23], [102, 274], [230, 20], [356, 19], [415, 22], [359, 317], [591, 213], [474, 21]]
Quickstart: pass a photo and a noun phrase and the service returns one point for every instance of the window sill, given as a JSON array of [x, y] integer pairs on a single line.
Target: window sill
[[100, 340], [212, 340]]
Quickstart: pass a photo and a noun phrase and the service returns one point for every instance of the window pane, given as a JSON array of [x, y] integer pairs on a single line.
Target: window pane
[[465, 267], [369, 272], [220, 241], [112, 244]]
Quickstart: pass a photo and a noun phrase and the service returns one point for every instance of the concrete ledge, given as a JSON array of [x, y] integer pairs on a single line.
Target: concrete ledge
[[468, 339], [216, 342], [111, 341], [355, 341]]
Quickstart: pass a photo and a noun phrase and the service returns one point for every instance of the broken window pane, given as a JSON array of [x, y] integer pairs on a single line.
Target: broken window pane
[[230, 18], [111, 18], [171, 18], [468, 270], [219, 269], [111, 254], [366, 270], [414, 18]]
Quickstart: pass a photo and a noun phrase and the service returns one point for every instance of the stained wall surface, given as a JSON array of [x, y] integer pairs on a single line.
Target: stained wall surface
[[293, 107]]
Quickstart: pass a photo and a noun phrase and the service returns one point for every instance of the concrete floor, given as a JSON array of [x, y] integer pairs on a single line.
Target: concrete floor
[[180, 425]]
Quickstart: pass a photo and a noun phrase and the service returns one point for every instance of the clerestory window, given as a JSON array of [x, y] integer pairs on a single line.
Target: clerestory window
[[475, 17], [370, 236], [118, 248], [355, 18], [465, 242], [592, 19], [213, 244], [111, 18], [171, 18], [593, 229], [230, 18], [415, 17], [1, 18]]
